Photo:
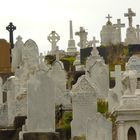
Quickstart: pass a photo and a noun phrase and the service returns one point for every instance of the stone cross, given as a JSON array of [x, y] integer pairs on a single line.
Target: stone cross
[[94, 41], [130, 14], [41, 58], [19, 38], [119, 25], [53, 39], [117, 74], [83, 37], [108, 17], [11, 28], [138, 33]]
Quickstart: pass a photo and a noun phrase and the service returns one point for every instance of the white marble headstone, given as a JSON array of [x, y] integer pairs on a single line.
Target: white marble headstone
[[98, 71], [17, 54], [10, 89], [41, 103], [98, 128], [134, 64], [84, 95], [58, 75]]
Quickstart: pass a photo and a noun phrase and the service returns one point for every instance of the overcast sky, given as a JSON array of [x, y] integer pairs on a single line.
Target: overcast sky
[[35, 19]]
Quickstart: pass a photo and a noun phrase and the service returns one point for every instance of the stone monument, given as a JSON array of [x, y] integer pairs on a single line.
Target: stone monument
[[17, 54], [129, 81], [119, 25], [98, 72], [83, 38], [53, 39], [93, 42], [109, 34], [128, 112], [71, 43], [11, 28], [134, 64], [99, 128], [58, 75], [41, 104], [84, 95], [131, 31]]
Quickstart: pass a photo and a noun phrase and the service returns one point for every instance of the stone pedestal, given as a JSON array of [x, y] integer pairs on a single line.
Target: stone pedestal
[[128, 118], [41, 136]]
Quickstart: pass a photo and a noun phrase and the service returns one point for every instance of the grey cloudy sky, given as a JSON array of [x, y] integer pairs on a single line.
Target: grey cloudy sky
[[35, 19]]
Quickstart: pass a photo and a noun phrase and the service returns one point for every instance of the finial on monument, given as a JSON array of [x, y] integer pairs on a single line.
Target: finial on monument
[[130, 14], [11, 28], [109, 17]]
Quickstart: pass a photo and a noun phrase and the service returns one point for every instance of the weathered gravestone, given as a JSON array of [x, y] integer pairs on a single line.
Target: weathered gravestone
[[10, 87], [84, 96], [99, 128], [41, 104], [29, 61], [98, 72], [134, 64], [17, 53], [58, 75], [131, 31]]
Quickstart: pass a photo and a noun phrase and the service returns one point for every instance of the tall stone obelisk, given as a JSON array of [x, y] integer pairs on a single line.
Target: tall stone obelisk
[[71, 43]]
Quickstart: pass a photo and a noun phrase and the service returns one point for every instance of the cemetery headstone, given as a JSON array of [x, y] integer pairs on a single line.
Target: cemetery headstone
[[58, 75], [131, 31], [119, 25], [98, 71], [99, 128], [84, 95], [17, 54], [41, 103]]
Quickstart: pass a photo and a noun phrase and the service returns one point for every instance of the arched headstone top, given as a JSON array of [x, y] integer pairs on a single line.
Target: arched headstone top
[[31, 44], [84, 84], [58, 65]]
